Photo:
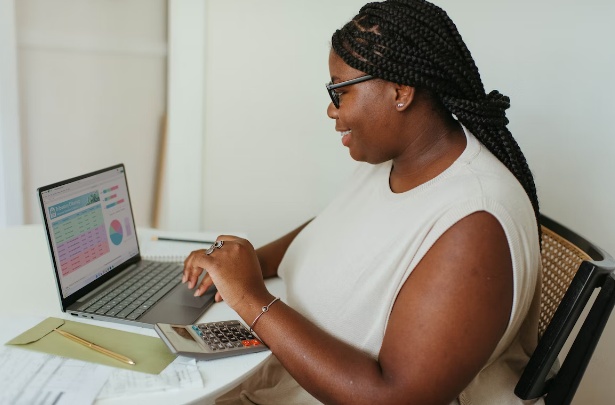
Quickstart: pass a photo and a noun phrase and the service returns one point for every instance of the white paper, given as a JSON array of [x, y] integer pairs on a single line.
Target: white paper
[[181, 373], [28, 377]]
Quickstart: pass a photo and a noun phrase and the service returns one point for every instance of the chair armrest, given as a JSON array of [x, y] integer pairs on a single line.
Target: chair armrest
[[533, 383]]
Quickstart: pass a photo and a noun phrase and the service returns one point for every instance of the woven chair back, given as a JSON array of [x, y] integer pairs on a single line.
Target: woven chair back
[[560, 262]]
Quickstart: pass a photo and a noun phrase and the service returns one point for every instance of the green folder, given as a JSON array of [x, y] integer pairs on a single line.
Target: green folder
[[150, 354]]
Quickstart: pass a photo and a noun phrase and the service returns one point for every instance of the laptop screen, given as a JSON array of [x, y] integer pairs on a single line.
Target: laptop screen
[[91, 228]]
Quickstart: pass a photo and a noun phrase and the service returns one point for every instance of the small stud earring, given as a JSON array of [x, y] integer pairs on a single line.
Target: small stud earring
[[400, 105]]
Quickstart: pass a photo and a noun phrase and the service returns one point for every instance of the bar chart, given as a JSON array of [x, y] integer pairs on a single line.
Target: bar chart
[[115, 203]]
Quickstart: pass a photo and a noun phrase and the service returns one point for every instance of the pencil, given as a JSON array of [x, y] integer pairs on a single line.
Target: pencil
[[95, 347], [155, 238]]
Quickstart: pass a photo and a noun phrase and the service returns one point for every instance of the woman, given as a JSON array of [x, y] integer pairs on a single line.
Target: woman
[[418, 283]]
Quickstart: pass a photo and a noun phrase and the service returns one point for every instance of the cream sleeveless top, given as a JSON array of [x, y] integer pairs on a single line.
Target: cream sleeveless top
[[345, 269]]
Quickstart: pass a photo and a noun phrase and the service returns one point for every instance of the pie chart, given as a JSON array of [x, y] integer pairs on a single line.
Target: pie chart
[[115, 232]]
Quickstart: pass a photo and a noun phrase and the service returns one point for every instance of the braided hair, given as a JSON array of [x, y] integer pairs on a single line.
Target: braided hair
[[415, 43]]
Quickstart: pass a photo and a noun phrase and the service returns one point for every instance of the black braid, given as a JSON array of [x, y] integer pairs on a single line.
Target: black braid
[[415, 43]]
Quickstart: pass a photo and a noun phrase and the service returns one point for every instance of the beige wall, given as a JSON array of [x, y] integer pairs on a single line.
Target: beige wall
[[93, 89]]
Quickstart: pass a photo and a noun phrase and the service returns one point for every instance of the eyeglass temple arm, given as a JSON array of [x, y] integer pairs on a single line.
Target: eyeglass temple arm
[[349, 82]]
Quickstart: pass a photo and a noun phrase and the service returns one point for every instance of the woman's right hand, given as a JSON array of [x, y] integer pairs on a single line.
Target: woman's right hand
[[269, 257]]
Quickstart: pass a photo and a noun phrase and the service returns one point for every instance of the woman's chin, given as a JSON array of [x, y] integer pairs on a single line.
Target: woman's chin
[[358, 156]]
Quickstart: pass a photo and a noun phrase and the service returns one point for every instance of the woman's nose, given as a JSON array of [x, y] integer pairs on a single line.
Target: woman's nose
[[332, 112]]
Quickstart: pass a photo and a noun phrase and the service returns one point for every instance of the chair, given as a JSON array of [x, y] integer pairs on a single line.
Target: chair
[[572, 268]]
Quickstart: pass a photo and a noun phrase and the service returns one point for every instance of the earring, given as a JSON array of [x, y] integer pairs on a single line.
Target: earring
[[400, 105]]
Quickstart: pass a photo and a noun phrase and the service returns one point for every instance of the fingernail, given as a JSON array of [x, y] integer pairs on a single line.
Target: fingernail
[[184, 279], [191, 285], [196, 293]]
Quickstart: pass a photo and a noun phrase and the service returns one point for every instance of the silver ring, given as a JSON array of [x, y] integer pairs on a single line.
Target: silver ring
[[216, 245]]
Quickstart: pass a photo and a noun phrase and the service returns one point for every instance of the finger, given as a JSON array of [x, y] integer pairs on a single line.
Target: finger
[[206, 282], [228, 238], [218, 297], [188, 265], [186, 268], [196, 267]]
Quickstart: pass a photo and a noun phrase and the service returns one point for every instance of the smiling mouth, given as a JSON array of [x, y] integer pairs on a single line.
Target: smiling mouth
[[345, 132]]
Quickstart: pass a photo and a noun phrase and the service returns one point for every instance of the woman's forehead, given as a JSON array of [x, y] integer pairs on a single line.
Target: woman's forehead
[[339, 70]]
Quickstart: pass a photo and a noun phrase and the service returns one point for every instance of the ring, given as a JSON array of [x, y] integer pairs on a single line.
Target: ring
[[216, 245]]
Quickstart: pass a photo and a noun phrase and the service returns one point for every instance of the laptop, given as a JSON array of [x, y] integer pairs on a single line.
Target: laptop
[[95, 254]]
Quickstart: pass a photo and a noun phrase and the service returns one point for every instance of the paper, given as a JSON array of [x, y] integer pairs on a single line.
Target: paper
[[36, 378], [182, 373], [150, 354]]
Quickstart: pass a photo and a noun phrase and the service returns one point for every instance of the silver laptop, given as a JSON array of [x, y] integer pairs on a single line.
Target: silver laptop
[[94, 249]]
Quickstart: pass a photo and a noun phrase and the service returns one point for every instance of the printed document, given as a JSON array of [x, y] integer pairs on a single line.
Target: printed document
[[182, 373], [37, 378]]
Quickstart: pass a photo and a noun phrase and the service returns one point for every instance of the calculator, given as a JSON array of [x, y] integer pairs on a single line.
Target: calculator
[[209, 341]]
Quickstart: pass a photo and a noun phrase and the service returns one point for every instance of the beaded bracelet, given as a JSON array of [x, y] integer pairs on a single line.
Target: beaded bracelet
[[265, 309]]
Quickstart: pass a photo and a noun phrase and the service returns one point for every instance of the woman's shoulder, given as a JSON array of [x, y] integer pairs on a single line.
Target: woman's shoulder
[[485, 176]]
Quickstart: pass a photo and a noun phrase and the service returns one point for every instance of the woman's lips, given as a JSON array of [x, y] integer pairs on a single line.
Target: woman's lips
[[346, 137]]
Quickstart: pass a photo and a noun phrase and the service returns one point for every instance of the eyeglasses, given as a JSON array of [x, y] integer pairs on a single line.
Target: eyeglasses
[[335, 96]]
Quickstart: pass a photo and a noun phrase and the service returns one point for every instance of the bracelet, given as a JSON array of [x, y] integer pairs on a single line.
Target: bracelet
[[265, 309]]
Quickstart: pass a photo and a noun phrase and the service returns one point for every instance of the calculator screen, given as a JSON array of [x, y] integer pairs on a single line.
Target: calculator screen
[[183, 333]]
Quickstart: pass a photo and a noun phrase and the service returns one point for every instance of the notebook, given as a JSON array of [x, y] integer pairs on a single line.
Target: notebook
[[174, 251]]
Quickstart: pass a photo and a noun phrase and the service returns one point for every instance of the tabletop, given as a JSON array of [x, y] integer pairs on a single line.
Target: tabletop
[[28, 295]]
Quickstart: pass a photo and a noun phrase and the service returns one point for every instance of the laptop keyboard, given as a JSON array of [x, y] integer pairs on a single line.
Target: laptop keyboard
[[137, 294]]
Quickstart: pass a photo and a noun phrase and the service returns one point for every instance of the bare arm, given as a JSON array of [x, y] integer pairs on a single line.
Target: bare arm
[[447, 320], [270, 255]]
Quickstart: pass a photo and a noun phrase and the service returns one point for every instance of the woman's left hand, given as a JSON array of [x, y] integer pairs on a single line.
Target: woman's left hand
[[234, 269]]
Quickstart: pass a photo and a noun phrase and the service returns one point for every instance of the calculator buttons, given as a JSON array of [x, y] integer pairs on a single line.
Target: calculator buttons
[[213, 348], [220, 346], [246, 343], [230, 345], [255, 342]]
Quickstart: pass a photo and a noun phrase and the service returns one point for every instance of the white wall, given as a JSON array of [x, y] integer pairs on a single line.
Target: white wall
[[11, 185], [181, 200], [272, 158], [93, 91]]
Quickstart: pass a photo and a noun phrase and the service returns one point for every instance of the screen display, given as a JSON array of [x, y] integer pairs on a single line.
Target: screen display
[[91, 227], [181, 331]]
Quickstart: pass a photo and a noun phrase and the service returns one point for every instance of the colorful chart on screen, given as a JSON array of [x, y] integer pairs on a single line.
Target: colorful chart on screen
[[115, 232], [81, 239]]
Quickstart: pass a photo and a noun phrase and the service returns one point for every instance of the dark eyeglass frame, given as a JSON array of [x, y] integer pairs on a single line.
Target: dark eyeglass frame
[[335, 98]]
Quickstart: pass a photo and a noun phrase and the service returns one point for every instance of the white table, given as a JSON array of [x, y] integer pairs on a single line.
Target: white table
[[28, 295]]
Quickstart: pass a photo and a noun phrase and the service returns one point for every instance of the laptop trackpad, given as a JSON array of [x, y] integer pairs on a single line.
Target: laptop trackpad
[[183, 296]]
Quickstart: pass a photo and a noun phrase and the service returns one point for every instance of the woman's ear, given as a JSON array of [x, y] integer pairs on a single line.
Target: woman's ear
[[404, 96]]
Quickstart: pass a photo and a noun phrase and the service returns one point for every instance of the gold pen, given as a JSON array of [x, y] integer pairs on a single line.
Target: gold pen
[[93, 346]]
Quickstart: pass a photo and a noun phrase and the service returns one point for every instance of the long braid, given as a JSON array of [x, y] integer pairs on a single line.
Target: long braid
[[415, 43]]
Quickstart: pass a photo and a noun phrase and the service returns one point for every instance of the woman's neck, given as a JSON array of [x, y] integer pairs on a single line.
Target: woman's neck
[[433, 147]]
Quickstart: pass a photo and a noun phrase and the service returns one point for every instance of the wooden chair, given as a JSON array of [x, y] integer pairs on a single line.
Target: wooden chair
[[572, 268]]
